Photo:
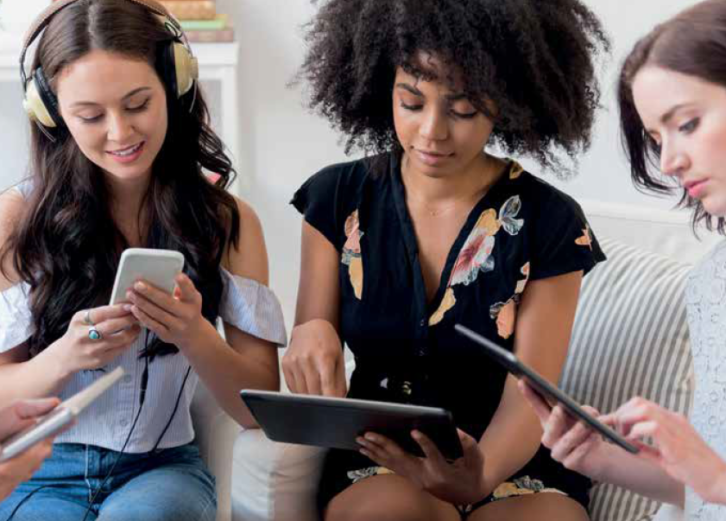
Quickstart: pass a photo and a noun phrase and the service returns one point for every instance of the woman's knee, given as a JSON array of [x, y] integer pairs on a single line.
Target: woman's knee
[[388, 498], [535, 507], [176, 493]]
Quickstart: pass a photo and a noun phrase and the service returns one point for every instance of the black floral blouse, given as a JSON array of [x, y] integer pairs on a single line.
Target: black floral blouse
[[405, 347]]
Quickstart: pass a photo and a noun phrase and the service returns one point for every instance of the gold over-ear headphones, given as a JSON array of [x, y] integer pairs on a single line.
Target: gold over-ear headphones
[[177, 66]]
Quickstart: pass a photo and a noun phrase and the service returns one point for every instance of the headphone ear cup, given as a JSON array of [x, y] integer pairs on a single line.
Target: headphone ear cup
[[186, 68], [39, 102]]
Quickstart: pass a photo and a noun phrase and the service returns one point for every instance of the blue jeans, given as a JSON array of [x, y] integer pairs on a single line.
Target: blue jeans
[[169, 485]]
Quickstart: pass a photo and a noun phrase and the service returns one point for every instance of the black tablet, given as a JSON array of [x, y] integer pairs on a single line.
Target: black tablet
[[546, 390], [337, 422]]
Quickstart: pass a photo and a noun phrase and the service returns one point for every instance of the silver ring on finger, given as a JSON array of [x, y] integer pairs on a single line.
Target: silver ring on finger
[[94, 334], [87, 318]]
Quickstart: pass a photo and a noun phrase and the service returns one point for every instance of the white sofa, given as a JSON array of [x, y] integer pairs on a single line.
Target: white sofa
[[215, 435], [649, 254]]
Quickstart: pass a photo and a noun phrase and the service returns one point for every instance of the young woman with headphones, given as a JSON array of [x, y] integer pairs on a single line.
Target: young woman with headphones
[[119, 154]]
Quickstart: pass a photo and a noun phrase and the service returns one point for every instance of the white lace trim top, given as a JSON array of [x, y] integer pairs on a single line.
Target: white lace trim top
[[246, 305], [706, 300]]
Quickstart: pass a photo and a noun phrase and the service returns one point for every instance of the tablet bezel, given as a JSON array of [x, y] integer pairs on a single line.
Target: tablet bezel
[[275, 412], [546, 390]]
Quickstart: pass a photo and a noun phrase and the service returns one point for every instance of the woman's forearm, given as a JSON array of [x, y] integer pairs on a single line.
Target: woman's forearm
[[504, 452], [628, 471], [225, 371], [39, 377]]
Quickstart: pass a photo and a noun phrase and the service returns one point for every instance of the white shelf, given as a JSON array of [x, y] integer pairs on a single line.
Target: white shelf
[[217, 62]]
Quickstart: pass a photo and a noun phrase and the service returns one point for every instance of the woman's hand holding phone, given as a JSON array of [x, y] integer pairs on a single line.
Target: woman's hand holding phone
[[177, 318], [80, 349], [12, 420]]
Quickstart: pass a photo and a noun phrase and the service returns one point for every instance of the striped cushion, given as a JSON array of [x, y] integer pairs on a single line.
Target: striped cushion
[[630, 338]]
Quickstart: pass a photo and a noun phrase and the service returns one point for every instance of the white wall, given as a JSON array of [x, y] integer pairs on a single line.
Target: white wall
[[282, 144]]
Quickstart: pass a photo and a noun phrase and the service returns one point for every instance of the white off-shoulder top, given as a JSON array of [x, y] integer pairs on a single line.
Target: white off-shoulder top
[[247, 305]]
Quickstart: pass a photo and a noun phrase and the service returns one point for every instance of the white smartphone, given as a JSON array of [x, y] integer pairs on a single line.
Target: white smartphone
[[58, 418], [158, 267]]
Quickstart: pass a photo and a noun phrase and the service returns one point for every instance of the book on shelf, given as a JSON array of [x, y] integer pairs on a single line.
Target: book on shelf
[[216, 36], [219, 22], [191, 9]]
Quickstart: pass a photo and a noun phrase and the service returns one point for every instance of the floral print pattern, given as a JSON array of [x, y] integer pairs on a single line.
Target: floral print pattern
[[505, 313], [352, 253], [356, 475], [476, 254], [523, 486], [516, 170], [586, 239]]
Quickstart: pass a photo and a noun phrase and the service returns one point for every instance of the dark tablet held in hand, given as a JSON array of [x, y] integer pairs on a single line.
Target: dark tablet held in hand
[[337, 422], [545, 389]]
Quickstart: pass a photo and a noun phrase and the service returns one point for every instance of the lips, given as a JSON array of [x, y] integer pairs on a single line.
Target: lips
[[435, 154], [695, 188], [128, 151], [432, 159]]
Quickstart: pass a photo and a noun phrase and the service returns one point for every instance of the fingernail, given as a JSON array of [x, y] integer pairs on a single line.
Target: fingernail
[[140, 286], [128, 307], [370, 437]]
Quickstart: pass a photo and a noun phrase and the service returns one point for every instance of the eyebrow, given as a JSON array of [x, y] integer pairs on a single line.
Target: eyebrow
[[416, 92], [127, 96]]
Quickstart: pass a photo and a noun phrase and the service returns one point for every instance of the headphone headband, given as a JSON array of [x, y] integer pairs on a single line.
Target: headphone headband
[[44, 18], [175, 63]]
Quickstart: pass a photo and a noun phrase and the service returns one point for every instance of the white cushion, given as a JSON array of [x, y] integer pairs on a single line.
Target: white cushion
[[274, 481], [630, 339], [215, 434]]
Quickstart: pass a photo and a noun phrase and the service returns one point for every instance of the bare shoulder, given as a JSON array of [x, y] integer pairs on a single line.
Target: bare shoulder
[[12, 205], [248, 258]]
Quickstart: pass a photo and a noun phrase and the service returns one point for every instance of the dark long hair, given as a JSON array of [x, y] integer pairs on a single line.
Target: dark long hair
[[67, 245], [692, 43]]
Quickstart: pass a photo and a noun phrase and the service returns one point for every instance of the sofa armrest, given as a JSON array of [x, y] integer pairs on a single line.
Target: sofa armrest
[[274, 481], [215, 435]]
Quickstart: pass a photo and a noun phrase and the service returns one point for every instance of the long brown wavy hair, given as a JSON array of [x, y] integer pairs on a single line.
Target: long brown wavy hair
[[692, 43], [67, 245]]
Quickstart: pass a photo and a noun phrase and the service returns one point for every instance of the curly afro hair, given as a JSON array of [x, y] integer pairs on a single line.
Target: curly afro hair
[[534, 59]]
